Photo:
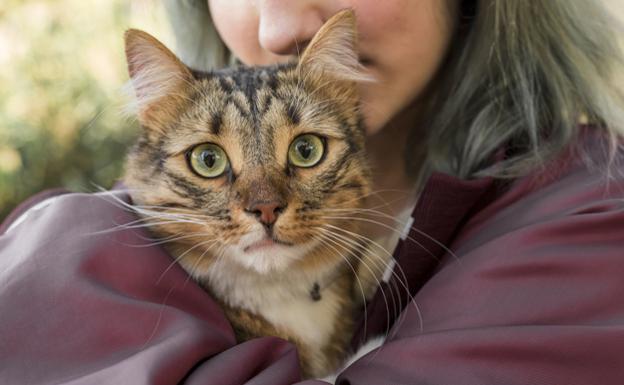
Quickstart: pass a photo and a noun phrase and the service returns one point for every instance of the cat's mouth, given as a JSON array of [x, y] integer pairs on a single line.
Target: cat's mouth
[[266, 242], [264, 252], [366, 61]]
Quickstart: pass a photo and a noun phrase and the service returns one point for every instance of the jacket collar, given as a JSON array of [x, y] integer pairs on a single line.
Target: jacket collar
[[444, 205]]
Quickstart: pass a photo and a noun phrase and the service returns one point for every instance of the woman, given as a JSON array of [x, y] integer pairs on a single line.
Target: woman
[[494, 124]]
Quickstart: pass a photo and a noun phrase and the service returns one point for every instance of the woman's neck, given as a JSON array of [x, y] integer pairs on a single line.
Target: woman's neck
[[394, 188]]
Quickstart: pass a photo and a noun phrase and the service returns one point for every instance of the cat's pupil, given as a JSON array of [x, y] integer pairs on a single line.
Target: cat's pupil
[[209, 158], [305, 149]]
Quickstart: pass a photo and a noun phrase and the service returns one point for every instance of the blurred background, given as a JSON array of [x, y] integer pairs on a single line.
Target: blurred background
[[61, 70]]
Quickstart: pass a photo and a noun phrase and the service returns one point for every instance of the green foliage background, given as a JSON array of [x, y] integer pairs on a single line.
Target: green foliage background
[[62, 68]]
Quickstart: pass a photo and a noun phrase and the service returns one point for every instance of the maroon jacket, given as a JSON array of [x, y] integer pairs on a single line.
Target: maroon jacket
[[532, 292]]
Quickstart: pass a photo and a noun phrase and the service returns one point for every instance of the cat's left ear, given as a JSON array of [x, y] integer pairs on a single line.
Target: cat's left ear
[[160, 80], [333, 51]]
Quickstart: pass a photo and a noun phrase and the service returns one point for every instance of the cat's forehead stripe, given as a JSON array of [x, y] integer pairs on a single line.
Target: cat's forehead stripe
[[293, 112], [216, 122], [241, 102], [251, 104], [265, 99]]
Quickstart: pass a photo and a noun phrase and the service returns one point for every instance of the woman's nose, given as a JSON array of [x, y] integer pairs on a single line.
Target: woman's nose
[[286, 26]]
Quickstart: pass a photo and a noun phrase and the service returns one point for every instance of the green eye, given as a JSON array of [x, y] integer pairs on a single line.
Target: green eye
[[208, 160], [306, 150]]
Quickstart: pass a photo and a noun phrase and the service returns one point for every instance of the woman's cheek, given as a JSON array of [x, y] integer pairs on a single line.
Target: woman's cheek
[[237, 24], [407, 44]]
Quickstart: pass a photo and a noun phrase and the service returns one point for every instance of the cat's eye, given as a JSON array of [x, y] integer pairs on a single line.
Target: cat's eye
[[208, 160], [306, 150]]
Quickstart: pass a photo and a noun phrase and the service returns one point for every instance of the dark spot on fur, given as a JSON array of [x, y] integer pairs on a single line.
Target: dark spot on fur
[[187, 189], [267, 105], [272, 82], [292, 110], [172, 205], [216, 122], [237, 105], [315, 292], [225, 84], [352, 186]]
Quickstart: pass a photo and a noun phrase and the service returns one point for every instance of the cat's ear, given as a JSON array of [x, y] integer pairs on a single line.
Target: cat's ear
[[159, 79], [333, 51]]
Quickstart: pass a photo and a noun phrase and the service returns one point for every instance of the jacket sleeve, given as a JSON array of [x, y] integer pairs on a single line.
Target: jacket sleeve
[[86, 297], [535, 296]]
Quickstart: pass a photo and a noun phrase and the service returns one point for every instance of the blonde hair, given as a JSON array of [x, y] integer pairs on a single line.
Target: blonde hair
[[520, 74]]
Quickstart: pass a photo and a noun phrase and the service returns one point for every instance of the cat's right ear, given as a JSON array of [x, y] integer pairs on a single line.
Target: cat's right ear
[[333, 51], [159, 79]]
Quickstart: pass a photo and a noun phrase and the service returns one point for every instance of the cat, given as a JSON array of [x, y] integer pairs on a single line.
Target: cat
[[250, 173]]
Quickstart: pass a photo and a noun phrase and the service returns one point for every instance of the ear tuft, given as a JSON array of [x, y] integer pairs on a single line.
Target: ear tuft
[[333, 50], [156, 74]]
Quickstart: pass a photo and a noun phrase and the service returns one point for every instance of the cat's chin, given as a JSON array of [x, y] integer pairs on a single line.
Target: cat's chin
[[258, 253]]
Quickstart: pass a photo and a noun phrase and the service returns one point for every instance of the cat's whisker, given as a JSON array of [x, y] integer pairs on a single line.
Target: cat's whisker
[[360, 242], [150, 239], [192, 272], [173, 238], [125, 226], [178, 258], [324, 241], [322, 238], [151, 210], [148, 219], [159, 319], [220, 256], [363, 213], [386, 204], [151, 222], [339, 243], [396, 306], [375, 193], [114, 199], [142, 222], [171, 218], [150, 215], [363, 238], [410, 238], [166, 212], [400, 280], [175, 211]]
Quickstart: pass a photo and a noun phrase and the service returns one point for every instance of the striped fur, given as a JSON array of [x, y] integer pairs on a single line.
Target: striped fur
[[254, 114]]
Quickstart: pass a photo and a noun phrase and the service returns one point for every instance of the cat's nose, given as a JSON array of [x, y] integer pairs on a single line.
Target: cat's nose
[[266, 212], [286, 26]]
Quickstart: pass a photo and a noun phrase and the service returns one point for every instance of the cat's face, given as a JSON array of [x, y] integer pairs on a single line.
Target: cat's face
[[255, 166]]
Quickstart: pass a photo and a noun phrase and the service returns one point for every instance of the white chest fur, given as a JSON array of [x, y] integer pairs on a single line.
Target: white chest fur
[[284, 301], [312, 320]]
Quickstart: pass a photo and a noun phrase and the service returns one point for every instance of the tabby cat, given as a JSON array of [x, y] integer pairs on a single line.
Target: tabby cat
[[242, 169]]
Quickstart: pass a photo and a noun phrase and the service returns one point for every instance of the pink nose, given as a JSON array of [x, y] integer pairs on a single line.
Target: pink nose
[[266, 212]]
